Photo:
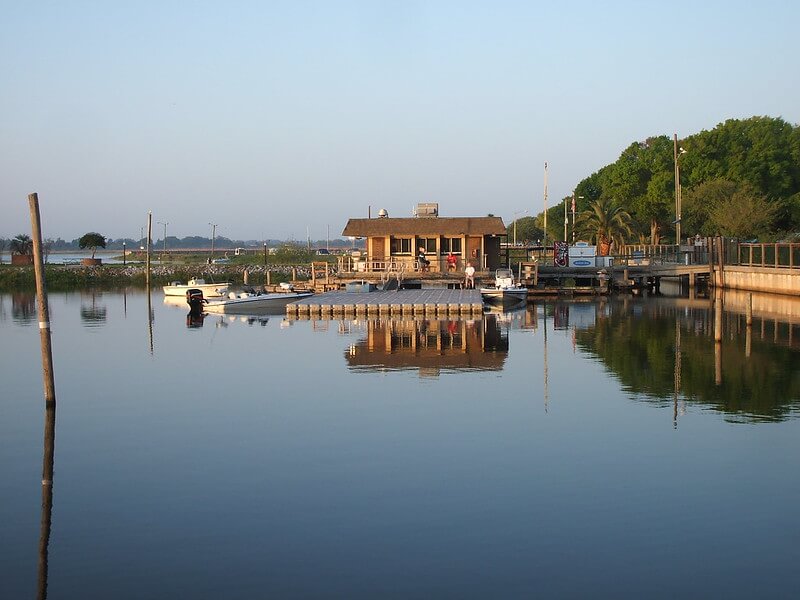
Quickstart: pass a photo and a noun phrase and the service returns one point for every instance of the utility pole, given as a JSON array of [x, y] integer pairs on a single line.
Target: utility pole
[[213, 237], [164, 223], [573, 216], [677, 152], [544, 235]]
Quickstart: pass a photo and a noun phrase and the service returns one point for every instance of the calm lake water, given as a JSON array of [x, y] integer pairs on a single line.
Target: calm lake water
[[573, 449]]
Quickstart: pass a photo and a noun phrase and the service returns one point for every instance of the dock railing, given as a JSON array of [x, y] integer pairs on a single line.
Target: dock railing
[[779, 255]]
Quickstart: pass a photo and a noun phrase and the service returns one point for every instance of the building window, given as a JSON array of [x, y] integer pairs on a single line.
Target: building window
[[451, 245], [400, 246], [429, 244]]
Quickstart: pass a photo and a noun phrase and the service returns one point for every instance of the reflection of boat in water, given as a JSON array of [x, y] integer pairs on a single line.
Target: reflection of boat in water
[[504, 291], [210, 290], [246, 302]]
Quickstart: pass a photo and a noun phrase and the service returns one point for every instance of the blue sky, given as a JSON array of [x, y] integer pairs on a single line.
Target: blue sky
[[272, 119]]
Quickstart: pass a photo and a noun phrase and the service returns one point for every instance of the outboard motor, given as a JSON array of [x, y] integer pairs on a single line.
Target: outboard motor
[[195, 300]]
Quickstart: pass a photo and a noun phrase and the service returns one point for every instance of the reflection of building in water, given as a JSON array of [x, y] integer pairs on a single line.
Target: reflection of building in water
[[431, 345], [23, 307], [575, 315]]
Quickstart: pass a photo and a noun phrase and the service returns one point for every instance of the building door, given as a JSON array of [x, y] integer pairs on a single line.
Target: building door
[[378, 251], [472, 252]]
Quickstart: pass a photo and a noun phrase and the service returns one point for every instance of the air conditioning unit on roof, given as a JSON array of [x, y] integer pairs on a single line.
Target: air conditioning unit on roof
[[427, 209]]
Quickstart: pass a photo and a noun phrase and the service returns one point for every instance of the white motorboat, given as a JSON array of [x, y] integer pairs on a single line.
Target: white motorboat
[[210, 290], [504, 291], [252, 303]]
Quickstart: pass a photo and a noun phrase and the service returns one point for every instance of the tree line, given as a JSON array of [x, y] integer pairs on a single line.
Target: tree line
[[740, 180], [22, 243]]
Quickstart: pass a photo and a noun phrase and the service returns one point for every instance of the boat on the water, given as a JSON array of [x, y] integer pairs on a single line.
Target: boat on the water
[[245, 302], [210, 290], [504, 292]]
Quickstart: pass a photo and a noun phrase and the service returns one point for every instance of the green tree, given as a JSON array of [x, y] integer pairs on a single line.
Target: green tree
[[699, 201], [21, 244], [762, 152], [526, 229], [745, 214], [93, 241], [605, 222]]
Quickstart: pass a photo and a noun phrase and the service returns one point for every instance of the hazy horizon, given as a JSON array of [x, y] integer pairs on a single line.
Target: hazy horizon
[[282, 120]]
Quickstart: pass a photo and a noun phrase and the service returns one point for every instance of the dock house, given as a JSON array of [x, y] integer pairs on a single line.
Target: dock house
[[394, 243]]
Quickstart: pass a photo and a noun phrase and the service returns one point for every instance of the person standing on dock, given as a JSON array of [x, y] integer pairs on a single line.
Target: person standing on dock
[[469, 277]]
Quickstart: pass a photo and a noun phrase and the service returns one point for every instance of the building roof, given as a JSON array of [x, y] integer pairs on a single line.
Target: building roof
[[425, 226]]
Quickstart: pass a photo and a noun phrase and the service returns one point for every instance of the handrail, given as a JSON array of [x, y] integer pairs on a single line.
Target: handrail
[[777, 255]]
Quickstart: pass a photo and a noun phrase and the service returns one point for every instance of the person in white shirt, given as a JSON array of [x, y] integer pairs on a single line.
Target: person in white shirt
[[469, 272]]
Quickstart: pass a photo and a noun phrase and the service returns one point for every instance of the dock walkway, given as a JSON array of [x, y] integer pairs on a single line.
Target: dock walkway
[[426, 301]]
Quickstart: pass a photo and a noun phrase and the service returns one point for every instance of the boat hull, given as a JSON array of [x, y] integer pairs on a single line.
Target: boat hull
[[504, 297], [210, 290], [254, 304]]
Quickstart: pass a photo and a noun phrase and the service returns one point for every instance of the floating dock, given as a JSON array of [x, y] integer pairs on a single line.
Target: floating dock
[[428, 301]]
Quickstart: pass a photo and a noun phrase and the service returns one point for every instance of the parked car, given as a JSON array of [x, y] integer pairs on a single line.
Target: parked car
[[323, 252]]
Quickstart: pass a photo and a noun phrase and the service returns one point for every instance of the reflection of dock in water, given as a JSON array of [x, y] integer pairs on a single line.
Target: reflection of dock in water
[[431, 345]]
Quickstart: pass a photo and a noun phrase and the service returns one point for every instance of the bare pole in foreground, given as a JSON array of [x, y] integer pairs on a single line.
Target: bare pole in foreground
[[41, 297], [149, 243], [50, 398]]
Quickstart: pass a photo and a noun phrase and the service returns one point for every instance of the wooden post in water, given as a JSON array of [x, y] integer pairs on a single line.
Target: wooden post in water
[[49, 396], [748, 342], [41, 296], [149, 243], [718, 319], [749, 311]]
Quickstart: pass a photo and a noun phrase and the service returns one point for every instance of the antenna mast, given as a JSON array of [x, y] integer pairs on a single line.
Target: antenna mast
[[544, 236]]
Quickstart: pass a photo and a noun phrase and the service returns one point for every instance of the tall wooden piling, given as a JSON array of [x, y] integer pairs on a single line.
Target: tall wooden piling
[[149, 243], [41, 297], [749, 311], [49, 395]]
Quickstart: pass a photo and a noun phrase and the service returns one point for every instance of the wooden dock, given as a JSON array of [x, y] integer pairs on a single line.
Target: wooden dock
[[439, 301]]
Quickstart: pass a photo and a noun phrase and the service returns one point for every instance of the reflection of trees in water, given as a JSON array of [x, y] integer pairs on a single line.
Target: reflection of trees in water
[[638, 344], [91, 313], [23, 307]]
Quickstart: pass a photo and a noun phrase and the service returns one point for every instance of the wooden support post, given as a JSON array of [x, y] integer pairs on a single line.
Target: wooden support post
[[49, 396], [149, 243], [749, 311], [748, 341], [269, 278], [41, 297], [718, 319]]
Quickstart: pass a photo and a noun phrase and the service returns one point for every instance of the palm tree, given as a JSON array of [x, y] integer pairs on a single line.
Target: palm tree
[[605, 223], [22, 244]]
